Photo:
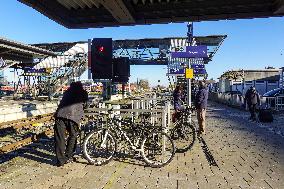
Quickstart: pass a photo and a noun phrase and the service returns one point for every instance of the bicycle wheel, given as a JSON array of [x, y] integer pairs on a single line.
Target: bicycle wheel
[[183, 135], [99, 147], [157, 149]]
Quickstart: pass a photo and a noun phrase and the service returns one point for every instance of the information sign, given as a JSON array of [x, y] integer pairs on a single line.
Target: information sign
[[177, 71], [192, 52]]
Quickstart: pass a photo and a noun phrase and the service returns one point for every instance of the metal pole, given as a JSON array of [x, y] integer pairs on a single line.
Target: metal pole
[[168, 105], [190, 40], [123, 90], [189, 92]]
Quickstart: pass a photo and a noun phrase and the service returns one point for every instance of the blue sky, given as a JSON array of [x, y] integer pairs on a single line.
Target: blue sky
[[251, 43]]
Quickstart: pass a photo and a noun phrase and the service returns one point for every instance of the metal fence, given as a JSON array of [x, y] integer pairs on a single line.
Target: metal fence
[[275, 103], [158, 110], [228, 99]]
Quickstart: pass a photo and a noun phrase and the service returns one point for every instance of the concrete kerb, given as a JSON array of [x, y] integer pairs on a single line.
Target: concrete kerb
[[16, 111]]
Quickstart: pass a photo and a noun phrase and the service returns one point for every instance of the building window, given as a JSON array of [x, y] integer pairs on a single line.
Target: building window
[[248, 82], [272, 82]]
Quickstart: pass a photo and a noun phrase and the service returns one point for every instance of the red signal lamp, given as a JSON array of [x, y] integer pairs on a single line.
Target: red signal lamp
[[101, 49]]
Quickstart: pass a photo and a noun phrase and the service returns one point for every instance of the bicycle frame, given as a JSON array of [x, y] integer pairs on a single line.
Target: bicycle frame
[[116, 128]]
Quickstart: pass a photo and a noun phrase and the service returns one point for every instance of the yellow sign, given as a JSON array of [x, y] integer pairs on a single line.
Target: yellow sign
[[188, 73], [48, 70]]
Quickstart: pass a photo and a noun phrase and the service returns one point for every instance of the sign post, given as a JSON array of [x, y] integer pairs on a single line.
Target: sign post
[[190, 41], [192, 54]]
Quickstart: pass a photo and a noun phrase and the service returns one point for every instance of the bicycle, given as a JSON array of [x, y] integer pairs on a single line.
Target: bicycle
[[100, 145], [183, 132]]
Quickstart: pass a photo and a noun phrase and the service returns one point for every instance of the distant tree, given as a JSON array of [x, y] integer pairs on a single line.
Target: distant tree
[[144, 84], [269, 67]]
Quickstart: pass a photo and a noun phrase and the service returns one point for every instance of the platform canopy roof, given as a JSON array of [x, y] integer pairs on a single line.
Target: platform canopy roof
[[103, 13], [15, 51], [149, 51]]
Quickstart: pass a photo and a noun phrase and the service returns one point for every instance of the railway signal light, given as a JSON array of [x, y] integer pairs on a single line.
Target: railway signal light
[[101, 58]]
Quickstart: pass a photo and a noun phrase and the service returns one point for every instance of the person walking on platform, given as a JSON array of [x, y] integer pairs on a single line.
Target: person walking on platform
[[68, 117], [201, 105], [252, 100]]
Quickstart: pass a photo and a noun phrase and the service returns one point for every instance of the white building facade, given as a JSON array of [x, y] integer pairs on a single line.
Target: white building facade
[[262, 80]]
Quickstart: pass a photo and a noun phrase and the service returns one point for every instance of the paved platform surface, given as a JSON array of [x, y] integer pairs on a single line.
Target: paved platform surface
[[248, 155]]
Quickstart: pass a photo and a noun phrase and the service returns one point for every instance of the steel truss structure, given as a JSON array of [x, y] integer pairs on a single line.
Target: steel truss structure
[[157, 51], [16, 54], [152, 51]]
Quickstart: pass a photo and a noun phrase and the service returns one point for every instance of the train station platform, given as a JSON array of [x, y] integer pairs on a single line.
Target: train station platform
[[246, 155], [20, 109]]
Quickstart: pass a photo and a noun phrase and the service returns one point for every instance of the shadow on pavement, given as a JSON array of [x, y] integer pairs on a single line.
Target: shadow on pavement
[[41, 152], [237, 120]]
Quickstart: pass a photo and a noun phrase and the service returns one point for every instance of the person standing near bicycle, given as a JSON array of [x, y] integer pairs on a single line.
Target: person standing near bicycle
[[201, 105], [68, 117], [177, 95]]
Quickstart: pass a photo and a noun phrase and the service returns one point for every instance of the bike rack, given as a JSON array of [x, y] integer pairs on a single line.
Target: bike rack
[[138, 106]]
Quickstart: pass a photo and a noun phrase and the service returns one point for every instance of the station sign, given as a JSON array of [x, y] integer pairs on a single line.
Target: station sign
[[198, 66], [199, 69], [37, 71], [176, 71], [191, 52], [199, 72]]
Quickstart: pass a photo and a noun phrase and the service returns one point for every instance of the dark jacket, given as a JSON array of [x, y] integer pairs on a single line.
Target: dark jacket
[[201, 98], [177, 99], [177, 96], [71, 105], [252, 97]]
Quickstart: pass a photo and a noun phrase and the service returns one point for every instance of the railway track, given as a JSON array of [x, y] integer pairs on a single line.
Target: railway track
[[22, 132], [26, 122], [19, 133]]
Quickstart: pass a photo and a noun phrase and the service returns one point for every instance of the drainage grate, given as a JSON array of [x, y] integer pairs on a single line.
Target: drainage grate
[[207, 152]]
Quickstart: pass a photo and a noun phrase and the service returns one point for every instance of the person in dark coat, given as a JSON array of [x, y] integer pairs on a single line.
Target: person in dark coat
[[252, 100], [68, 117], [201, 105], [177, 98]]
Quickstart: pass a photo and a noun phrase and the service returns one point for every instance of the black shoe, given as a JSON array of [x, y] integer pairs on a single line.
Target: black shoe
[[58, 164]]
